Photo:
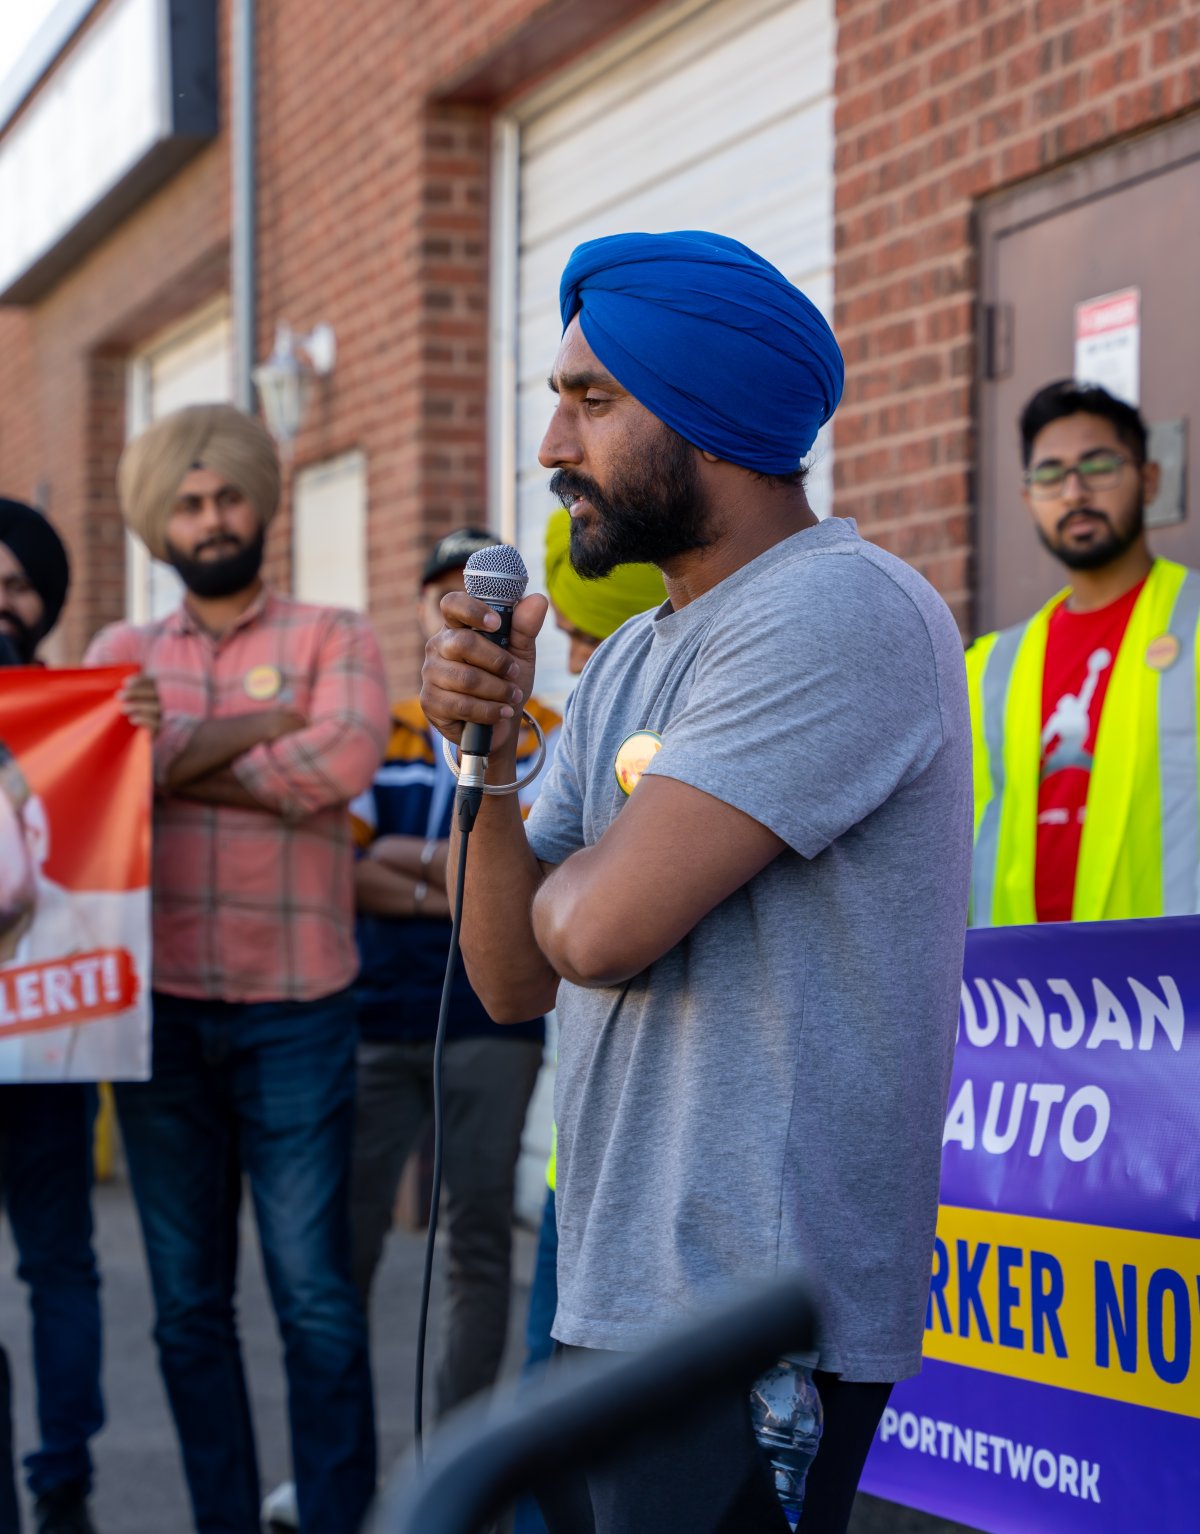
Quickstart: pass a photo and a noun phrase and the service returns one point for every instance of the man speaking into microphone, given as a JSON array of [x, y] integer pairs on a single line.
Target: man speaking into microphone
[[744, 882]]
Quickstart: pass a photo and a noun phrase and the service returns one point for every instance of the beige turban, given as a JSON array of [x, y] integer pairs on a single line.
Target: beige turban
[[216, 437]]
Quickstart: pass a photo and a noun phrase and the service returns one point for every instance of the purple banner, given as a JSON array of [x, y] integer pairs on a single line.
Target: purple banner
[[1061, 1387]]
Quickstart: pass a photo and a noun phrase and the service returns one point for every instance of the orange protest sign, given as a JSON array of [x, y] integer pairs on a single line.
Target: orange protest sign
[[75, 797], [79, 989]]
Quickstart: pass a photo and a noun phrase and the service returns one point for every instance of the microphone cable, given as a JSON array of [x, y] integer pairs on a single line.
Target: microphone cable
[[466, 820], [467, 802], [497, 575]]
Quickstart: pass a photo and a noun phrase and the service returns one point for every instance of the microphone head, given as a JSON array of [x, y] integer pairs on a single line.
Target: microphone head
[[496, 575]]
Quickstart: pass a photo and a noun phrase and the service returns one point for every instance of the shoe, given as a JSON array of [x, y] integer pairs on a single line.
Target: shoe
[[63, 1510], [279, 1510]]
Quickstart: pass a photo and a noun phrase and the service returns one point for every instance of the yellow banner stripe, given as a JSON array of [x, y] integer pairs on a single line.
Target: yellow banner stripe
[[1112, 1313]]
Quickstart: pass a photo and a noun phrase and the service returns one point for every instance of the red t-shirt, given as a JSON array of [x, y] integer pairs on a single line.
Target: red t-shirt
[[1080, 651]]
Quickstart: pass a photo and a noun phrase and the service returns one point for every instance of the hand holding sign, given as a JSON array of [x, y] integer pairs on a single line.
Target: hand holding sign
[[140, 703], [74, 875]]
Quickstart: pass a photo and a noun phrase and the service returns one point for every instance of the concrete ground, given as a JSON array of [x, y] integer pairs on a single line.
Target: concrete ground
[[139, 1483]]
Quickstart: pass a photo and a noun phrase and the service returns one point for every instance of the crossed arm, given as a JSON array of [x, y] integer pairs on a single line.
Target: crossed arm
[[608, 911], [396, 879], [271, 760], [203, 770]]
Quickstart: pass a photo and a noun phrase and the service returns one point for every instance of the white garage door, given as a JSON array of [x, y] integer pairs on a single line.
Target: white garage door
[[329, 532], [191, 365], [705, 116]]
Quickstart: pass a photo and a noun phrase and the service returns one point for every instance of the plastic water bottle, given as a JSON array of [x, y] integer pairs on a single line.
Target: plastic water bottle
[[786, 1411]]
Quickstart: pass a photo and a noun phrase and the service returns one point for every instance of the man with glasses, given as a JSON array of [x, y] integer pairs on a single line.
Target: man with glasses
[[1085, 715]]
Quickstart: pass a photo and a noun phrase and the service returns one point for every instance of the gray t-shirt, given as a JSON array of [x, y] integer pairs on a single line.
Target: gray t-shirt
[[772, 1089]]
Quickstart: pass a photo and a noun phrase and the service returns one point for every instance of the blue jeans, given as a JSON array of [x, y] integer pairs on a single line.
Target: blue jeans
[[47, 1190], [265, 1091]]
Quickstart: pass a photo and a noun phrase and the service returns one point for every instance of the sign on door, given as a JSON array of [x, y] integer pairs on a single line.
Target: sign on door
[[1108, 342]]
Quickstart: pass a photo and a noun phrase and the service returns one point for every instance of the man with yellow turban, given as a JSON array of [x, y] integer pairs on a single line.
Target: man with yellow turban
[[588, 611], [274, 716]]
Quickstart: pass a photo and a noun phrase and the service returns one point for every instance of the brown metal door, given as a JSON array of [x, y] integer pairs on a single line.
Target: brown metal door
[[1127, 217]]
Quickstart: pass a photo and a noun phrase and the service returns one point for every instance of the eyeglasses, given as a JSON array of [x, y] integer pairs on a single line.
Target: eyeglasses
[[1099, 471]]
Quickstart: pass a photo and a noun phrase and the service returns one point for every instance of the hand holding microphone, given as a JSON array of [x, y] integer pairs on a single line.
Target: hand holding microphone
[[498, 577], [471, 678]]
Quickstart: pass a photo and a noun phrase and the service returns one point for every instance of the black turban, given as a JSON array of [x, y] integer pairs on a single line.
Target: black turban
[[39, 551]]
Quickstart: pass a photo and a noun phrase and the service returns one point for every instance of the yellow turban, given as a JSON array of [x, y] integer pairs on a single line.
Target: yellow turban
[[216, 437], [597, 607]]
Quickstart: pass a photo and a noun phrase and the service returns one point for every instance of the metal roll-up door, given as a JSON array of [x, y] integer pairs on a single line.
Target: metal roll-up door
[[716, 116], [703, 116], [191, 365]]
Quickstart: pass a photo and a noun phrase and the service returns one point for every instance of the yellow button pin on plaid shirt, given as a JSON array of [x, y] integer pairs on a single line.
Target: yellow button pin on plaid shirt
[[634, 755], [262, 683]]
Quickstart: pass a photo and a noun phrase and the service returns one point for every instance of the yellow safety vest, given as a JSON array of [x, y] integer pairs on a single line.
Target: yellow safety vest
[[1140, 850]]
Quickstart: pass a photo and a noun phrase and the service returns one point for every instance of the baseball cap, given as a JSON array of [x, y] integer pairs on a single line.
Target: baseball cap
[[453, 551]]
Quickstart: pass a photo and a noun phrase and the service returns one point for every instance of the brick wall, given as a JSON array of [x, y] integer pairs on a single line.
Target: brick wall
[[62, 374], [374, 155], [20, 423], [939, 103], [373, 219], [374, 201]]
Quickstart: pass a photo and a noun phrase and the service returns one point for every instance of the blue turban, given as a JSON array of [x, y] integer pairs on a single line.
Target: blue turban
[[711, 338]]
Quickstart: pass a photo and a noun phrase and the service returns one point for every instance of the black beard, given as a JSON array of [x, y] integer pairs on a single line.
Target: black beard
[[1105, 551], [224, 577], [652, 511], [23, 639]]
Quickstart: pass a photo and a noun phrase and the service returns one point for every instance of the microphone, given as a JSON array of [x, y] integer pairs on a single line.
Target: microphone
[[497, 576]]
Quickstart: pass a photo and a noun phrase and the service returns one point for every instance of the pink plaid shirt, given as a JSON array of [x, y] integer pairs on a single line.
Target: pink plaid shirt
[[250, 905]]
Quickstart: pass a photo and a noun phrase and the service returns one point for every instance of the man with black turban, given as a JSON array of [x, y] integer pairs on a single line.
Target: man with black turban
[[46, 1131], [743, 884], [33, 577]]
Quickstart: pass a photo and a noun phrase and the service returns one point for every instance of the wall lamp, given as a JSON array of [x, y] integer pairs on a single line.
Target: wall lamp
[[286, 380]]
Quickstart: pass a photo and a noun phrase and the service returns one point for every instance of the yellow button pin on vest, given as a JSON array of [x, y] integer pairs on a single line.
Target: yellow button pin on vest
[[1163, 652], [634, 755], [262, 683]]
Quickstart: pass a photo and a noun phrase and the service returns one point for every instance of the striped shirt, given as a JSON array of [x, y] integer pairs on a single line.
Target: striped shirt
[[251, 905], [399, 988]]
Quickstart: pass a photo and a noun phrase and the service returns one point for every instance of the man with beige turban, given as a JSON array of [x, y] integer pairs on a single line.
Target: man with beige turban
[[274, 716]]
